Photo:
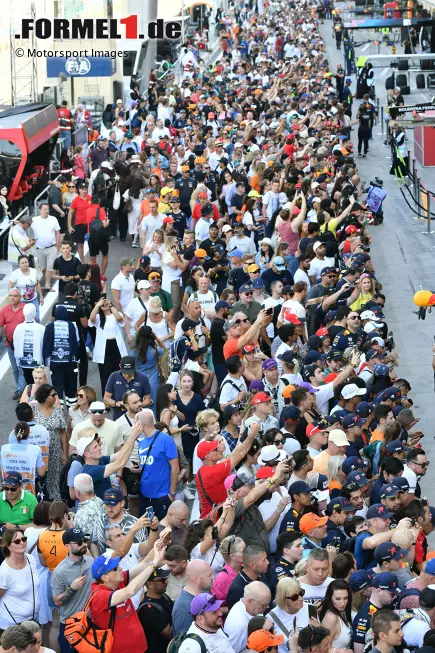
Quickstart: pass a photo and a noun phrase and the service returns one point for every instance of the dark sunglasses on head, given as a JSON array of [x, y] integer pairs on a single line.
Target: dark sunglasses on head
[[295, 597]]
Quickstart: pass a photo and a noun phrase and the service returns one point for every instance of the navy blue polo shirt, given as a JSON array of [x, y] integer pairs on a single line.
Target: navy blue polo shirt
[[101, 484], [362, 622], [117, 384]]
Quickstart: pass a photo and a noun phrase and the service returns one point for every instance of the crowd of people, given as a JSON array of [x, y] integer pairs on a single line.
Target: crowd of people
[[246, 477]]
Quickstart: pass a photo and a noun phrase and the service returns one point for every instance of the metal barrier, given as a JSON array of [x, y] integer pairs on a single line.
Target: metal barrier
[[420, 196], [41, 194]]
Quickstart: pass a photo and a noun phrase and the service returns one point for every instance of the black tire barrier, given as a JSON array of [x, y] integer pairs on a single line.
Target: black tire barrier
[[401, 80], [420, 81], [403, 64], [405, 90]]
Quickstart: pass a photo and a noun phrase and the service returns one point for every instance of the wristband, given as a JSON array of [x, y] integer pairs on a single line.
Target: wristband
[[154, 530]]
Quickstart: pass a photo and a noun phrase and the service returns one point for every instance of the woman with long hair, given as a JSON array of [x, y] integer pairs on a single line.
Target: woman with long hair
[[154, 248], [265, 254], [167, 411], [367, 288], [189, 403], [69, 195], [134, 196], [51, 549], [191, 285], [147, 351], [80, 411], [172, 269], [336, 476], [19, 581], [109, 342], [249, 219], [203, 537], [231, 549], [48, 414], [335, 614]]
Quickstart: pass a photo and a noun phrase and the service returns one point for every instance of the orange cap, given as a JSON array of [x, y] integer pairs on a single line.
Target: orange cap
[[287, 391], [309, 521], [260, 640]]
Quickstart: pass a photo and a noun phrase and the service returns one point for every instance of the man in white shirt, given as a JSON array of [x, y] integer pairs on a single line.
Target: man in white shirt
[[324, 391], [319, 262], [233, 388], [241, 242], [301, 272], [415, 468], [295, 304], [159, 131], [202, 229], [150, 222], [273, 200], [111, 439], [46, 229], [207, 626], [205, 296], [316, 579], [256, 599], [122, 285], [203, 324]]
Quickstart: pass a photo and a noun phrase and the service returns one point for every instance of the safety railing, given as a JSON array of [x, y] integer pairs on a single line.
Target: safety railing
[[417, 196]]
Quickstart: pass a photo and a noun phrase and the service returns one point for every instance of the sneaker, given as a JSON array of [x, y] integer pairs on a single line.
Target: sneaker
[[188, 494], [16, 395], [135, 244]]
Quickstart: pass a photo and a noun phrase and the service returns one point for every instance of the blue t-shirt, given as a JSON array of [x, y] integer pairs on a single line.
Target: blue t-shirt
[[375, 494], [362, 556], [156, 478], [117, 385], [101, 484]]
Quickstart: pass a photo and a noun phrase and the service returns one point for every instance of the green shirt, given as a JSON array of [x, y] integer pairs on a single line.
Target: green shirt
[[165, 298], [19, 514]]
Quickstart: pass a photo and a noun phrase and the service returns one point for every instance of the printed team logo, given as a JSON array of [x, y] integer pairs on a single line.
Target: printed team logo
[[78, 65]]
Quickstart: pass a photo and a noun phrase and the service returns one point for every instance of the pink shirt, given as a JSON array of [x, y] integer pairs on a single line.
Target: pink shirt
[[287, 235], [223, 581]]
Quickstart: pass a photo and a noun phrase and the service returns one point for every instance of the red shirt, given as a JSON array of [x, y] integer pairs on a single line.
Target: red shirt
[[196, 213], [11, 319], [80, 207], [128, 634], [213, 477], [91, 212]]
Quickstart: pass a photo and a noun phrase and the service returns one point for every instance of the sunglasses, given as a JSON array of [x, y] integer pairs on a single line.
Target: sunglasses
[[10, 489], [19, 540], [99, 411], [249, 294], [279, 441], [80, 542], [422, 465], [211, 599], [244, 320], [295, 597], [354, 317], [79, 395], [71, 186]]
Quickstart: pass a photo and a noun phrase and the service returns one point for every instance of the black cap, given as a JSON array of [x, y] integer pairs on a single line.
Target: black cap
[[188, 324], [159, 573], [127, 363], [73, 535], [144, 261]]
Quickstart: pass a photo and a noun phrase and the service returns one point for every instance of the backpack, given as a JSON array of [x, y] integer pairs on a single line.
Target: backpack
[[83, 297], [96, 226], [63, 482], [348, 545], [175, 361], [135, 122], [84, 636], [405, 616], [174, 644]]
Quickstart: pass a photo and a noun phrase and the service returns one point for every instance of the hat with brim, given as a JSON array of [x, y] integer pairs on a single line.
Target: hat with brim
[[271, 454], [103, 565], [204, 602]]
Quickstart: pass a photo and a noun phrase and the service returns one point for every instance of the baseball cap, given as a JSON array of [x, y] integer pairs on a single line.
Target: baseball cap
[[230, 410], [188, 324], [352, 390], [315, 427], [154, 275], [253, 267], [278, 262], [265, 472], [226, 227], [319, 486], [271, 454], [12, 479], [127, 363], [260, 640], [308, 386], [205, 447], [396, 446], [288, 316], [309, 521], [144, 284], [242, 479], [378, 510], [102, 565], [200, 253], [144, 261], [260, 398], [218, 249], [82, 443], [204, 602], [221, 304], [73, 535], [427, 597], [352, 420], [386, 581], [126, 260], [113, 496], [246, 287], [317, 244], [389, 551], [158, 573], [352, 463], [314, 342], [430, 566], [356, 478], [363, 409], [269, 364], [236, 252], [312, 357], [338, 437], [334, 355], [372, 353], [258, 283], [402, 483], [340, 503], [360, 579], [389, 491], [290, 413], [299, 487]]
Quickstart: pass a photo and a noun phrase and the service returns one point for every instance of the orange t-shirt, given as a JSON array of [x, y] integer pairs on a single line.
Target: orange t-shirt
[[377, 436], [52, 548], [231, 348]]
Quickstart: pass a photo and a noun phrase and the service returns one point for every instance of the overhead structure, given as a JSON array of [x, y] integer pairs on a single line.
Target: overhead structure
[[24, 72]]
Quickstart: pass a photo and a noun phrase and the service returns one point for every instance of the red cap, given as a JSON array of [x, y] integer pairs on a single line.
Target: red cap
[[322, 332], [351, 229], [168, 220], [296, 210], [205, 447], [260, 398], [248, 348], [288, 316], [313, 429], [265, 472]]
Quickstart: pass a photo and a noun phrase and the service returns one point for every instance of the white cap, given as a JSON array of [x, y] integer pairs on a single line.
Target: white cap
[[97, 405], [143, 284], [338, 437], [372, 326], [266, 241], [82, 443], [226, 227], [368, 315], [352, 390], [236, 145], [315, 184], [271, 453], [317, 244], [316, 199]]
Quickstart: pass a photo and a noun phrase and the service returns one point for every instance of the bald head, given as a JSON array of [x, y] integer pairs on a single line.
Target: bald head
[[178, 514], [256, 598], [199, 576], [146, 416]]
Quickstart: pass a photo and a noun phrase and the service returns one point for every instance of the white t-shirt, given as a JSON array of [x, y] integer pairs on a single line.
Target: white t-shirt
[[236, 626], [267, 508], [170, 274], [318, 264], [126, 287], [324, 394], [213, 557], [302, 620], [202, 230], [108, 432], [315, 593], [245, 244], [214, 642], [134, 310], [295, 307], [45, 231], [149, 224], [313, 452], [202, 339], [25, 284], [411, 477], [21, 597], [301, 275], [207, 300], [228, 392]]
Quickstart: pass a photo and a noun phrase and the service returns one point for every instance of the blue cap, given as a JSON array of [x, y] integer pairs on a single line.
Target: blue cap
[[352, 420], [402, 483], [278, 262], [340, 503], [340, 415], [348, 80], [342, 138], [258, 283], [388, 551], [357, 477], [386, 581], [331, 419], [389, 491], [247, 287], [113, 496], [312, 356], [430, 566], [360, 579], [396, 446], [353, 463], [236, 252], [299, 487], [378, 510], [381, 370], [363, 409], [221, 304], [290, 413], [372, 353], [102, 565]]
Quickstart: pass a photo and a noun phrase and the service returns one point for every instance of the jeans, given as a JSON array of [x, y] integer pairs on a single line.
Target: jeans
[[66, 134], [63, 643], [20, 381]]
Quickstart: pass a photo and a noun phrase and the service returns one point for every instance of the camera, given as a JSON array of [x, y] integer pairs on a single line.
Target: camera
[[389, 342], [377, 183]]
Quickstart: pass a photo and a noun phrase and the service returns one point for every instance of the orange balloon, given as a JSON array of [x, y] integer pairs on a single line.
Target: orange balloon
[[422, 298]]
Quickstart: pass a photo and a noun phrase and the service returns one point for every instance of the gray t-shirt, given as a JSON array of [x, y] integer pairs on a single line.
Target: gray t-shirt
[[62, 577], [181, 617]]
